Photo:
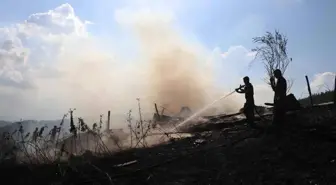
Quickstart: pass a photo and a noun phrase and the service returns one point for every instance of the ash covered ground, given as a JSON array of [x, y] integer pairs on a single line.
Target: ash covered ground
[[302, 151]]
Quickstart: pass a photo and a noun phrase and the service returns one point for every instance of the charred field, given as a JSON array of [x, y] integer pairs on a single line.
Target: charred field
[[219, 151]]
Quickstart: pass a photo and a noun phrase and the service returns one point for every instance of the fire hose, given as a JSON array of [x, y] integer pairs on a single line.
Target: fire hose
[[255, 107]]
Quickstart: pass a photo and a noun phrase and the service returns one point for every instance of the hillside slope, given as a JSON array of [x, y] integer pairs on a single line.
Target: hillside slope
[[323, 97]]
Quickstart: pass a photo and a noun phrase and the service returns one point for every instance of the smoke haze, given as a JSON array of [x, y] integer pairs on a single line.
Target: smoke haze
[[165, 68]]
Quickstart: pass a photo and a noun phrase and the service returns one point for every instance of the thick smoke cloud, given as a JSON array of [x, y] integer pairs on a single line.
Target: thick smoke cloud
[[177, 74], [68, 68]]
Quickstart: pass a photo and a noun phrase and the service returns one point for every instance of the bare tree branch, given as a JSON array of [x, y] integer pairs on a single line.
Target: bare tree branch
[[272, 52], [290, 83]]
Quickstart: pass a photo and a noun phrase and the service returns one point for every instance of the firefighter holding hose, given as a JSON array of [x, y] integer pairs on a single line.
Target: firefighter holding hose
[[249, 106]]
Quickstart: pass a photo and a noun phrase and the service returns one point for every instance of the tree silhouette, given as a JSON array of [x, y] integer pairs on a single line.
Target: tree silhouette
[[272, 51]]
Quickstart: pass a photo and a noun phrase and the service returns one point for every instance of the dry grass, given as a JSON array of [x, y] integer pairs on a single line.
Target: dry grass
[[233, 154]]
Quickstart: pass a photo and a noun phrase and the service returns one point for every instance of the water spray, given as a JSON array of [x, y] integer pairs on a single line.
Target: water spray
[[202, 110]]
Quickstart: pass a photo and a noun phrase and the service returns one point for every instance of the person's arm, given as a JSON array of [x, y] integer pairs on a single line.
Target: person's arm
[[272, 83], [283, 85], [240, 90], [251, 90]]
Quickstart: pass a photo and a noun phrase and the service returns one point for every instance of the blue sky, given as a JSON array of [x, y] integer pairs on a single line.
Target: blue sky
[[219, 25], [310, 25]]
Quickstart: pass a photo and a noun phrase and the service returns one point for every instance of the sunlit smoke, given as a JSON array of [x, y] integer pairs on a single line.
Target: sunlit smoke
[[167, 68], [178, 76]]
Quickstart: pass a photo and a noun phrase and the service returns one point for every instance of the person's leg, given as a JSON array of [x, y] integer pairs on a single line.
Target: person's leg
[[278, 118], [245, 111], [277, 113], [250, 115], [250, 120], [281, 112], [275, 116]]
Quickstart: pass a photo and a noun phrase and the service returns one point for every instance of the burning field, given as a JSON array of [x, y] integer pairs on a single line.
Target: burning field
[[215, 150], [183, 121]]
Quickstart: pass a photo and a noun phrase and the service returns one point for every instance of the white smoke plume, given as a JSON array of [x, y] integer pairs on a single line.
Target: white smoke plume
[[66, 67]]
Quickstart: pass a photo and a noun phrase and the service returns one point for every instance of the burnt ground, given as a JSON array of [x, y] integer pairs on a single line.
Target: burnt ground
[[296, 153]]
